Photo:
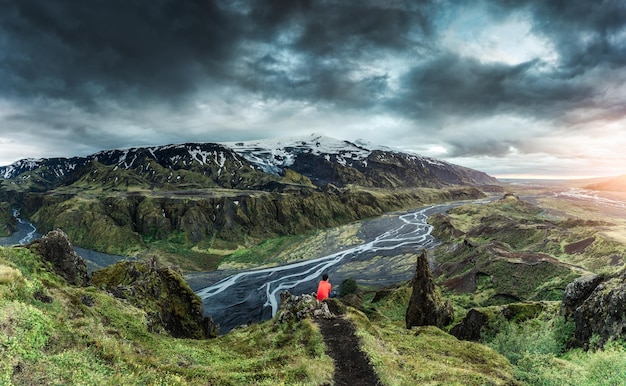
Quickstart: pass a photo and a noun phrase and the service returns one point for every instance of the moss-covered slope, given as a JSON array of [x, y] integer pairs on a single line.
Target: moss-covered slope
[[507, 251], [190, 224], [52, 333]]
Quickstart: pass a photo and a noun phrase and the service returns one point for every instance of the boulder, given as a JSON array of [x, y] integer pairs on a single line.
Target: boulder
[[597, 306], [426, 308], [471, 327], [162, 292], [55, 248], [294, 308]]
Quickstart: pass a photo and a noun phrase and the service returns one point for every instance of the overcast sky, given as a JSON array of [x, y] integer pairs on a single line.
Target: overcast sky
[[510, 87]]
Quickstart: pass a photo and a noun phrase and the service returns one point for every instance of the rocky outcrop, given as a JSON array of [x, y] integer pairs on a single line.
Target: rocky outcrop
[[55, 248], [8, 223], [476, 321], [170, 304], [597, 306], [471, 327], [294, 308], [426, 308]]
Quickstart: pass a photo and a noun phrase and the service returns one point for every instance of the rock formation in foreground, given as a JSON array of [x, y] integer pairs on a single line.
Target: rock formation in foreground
[[170, 305], [426, 308], [596, 304], [55, 248]]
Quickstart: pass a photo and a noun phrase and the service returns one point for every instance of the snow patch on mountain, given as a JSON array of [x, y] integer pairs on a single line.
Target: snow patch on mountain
[[275, 155]]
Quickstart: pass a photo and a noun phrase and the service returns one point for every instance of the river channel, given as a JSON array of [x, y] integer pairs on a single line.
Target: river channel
[[232, 298], [386, 256]]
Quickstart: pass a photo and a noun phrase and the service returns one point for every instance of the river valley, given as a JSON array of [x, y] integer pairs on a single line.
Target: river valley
[[385, 256]]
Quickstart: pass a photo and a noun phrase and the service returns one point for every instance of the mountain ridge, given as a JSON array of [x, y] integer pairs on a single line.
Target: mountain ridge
[[339, 163], [209, 196]]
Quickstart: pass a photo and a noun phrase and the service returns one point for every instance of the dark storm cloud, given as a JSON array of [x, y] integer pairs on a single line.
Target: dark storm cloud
[[85, 50], [136, 50], [585, 32], [323, 44], [158, 70], [450, 85]]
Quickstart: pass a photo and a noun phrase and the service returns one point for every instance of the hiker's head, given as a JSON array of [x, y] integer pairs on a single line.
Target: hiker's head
[[325, 276]]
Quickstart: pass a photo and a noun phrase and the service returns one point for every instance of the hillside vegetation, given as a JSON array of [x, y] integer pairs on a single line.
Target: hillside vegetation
[[197, 229], [53, 333]]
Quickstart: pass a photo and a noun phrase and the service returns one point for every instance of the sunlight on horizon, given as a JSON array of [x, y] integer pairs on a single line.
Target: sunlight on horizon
[[551, 177]]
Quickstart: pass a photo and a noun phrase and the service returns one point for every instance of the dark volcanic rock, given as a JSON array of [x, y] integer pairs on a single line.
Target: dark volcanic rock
[[56, 248], [597, 305], [170, 304], [470, 328], [426, 306]]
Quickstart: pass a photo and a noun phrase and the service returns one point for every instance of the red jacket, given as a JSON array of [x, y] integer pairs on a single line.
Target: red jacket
[[323, 290]]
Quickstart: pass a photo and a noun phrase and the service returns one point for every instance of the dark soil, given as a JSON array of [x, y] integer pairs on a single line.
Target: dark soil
[[351, 365]]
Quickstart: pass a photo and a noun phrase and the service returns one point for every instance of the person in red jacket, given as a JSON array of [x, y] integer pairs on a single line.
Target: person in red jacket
[[324, 288]]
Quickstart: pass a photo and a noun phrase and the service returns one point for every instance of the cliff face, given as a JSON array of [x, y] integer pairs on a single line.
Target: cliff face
[[122, 224], [597, 305]]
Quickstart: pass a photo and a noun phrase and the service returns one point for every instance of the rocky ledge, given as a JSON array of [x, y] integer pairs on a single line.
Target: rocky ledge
[[597, 305]]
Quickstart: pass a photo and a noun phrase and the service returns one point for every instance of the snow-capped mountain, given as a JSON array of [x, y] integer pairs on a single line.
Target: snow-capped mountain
[[274, 156], [250, 165]]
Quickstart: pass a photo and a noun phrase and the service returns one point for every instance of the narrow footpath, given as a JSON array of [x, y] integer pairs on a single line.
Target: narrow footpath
[[351, 365]]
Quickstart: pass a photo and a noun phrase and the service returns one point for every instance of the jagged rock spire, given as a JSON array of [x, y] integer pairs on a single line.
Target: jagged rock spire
[[426, 308]]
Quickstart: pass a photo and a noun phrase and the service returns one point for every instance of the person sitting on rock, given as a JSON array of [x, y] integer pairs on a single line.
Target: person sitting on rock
[[324, 289]]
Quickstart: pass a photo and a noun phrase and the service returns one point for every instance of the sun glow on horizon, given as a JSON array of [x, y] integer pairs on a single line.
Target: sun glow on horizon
[[531, 176]]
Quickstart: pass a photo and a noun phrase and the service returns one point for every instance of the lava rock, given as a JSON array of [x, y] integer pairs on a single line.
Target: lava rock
[[597, 306], [471, 327], [55, 248], [426, 308]]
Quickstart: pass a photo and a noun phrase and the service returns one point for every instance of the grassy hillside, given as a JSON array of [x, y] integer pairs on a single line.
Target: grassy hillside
[[52, 333], [508, 259]]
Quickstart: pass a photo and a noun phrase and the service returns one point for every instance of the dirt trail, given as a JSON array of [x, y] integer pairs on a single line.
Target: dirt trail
[[351, 365]]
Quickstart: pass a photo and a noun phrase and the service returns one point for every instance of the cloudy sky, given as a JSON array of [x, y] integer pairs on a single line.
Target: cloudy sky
[[510, 87]]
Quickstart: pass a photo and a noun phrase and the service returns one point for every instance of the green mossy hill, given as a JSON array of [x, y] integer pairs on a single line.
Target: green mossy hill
[[29, 182], [170, 305], [126, 224], [100, 224], [507, 251], [481, 321], [150, 175], [421, 355], [51, 333]]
